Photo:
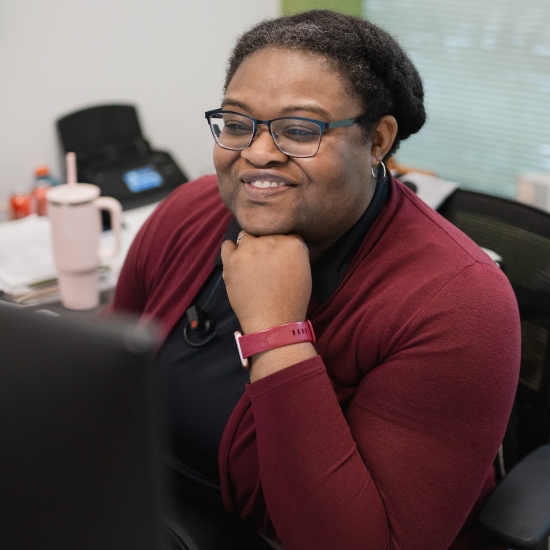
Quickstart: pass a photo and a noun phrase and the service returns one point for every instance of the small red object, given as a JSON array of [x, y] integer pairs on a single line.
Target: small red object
[[42, 171], [20, 205], [38, 200], [271, 338]]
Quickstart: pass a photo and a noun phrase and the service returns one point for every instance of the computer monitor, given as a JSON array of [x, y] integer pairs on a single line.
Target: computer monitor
[[80, 435]]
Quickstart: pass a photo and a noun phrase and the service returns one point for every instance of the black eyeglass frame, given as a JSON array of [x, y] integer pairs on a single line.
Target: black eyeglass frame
[[323, 125]]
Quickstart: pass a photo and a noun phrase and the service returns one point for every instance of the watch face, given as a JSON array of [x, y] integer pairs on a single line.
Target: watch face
[[244, 362]]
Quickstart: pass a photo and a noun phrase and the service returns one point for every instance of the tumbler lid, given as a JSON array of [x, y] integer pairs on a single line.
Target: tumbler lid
[[78, 193]]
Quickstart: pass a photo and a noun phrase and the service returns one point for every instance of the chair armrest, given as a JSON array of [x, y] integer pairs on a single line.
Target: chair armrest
[[190, 527], [518, 511]]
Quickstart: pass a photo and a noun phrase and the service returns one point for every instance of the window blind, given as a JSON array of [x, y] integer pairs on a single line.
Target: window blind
[[486, 72]]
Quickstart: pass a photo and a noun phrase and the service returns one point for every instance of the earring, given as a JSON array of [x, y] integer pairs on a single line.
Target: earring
[[385, 171]]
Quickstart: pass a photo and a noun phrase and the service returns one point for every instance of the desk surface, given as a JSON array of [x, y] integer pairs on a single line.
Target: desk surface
[[106, 297]]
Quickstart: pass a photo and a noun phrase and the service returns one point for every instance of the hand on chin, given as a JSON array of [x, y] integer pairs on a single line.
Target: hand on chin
[[268, 280]]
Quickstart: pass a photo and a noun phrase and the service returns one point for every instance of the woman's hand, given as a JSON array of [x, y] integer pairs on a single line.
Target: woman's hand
[[268, 281]]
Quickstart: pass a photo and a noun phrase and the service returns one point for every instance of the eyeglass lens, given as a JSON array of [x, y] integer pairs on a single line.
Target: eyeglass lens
[[294, 137]]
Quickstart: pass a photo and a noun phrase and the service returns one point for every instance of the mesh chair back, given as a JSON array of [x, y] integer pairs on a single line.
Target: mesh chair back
[[521, 235]]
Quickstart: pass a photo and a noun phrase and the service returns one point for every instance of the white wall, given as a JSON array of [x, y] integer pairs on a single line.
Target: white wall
[[165, 56]]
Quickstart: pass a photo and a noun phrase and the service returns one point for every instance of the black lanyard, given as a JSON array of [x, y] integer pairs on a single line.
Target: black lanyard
[[197, 322]]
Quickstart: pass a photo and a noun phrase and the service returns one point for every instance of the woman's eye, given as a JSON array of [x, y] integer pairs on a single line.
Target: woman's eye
[[236, 128], [300, 133]]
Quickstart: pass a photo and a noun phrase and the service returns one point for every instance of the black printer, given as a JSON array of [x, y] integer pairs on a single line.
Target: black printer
[[112, 153]]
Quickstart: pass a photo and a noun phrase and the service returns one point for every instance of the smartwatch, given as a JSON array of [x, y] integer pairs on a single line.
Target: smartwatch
[[271, 338]]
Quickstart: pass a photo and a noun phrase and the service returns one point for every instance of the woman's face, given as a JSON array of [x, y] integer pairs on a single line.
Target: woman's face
[[321, 197]]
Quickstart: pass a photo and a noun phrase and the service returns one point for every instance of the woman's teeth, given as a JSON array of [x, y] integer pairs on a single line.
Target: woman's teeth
[[264, 184]]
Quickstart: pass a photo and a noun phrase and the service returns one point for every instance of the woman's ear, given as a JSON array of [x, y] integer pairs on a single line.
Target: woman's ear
[[383, 137]]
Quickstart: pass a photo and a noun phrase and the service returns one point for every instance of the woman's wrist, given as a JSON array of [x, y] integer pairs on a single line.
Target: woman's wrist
[[271, 361], [273, 337]]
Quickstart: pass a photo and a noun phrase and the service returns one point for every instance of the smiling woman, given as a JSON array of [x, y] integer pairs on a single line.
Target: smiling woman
[[322, 195], [376, 403]]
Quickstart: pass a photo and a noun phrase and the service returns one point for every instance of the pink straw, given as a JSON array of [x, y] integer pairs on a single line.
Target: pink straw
[[71, 168]]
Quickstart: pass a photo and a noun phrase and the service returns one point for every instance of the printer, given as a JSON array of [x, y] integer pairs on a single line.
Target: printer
[[112, 153]]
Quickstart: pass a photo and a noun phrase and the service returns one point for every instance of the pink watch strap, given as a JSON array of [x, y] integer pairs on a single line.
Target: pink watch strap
[[271, 338]]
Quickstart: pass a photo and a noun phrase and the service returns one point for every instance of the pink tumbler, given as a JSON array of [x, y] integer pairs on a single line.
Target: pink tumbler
[[74, 212]]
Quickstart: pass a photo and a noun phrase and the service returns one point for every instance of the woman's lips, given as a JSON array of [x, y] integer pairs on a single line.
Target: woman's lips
[[255, 193]]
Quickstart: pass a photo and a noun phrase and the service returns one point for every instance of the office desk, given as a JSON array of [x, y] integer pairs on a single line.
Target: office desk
[[105, 297], [26, 257]]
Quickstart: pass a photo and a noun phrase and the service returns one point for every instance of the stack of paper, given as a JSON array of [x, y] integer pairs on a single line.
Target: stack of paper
[[25, 253]]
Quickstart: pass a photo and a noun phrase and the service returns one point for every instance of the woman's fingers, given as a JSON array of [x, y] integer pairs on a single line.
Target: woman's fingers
[[268, 279]]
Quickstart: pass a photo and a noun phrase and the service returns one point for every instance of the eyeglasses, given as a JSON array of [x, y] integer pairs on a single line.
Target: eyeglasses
[[293, 136]]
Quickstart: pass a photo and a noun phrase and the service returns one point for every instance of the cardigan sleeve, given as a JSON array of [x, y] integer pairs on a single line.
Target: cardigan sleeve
[[402, 465], [145, 252]]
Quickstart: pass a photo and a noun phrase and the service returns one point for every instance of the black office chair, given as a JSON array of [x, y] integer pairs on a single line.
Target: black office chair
[[520, 234], [195, 526]]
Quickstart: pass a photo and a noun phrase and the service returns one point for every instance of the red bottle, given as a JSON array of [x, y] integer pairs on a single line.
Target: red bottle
[[20, 204], [43, 181]]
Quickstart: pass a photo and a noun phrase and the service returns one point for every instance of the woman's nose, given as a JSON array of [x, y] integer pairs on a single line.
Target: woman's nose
[[263, 150]]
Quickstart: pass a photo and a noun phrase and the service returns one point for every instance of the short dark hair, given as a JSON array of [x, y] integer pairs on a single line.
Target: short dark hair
[[376, 67]]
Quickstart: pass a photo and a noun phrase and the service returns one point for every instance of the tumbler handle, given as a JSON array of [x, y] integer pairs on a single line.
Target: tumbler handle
[[115, 209]]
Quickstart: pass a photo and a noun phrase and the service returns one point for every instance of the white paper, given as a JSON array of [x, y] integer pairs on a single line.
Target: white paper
[[25, 252], [433, 191]]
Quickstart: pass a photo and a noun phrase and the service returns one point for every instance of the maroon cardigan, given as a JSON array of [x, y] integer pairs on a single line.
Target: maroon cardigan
[[386, 439]]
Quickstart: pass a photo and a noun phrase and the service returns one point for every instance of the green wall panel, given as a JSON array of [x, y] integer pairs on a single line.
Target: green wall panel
[[353, 7]]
